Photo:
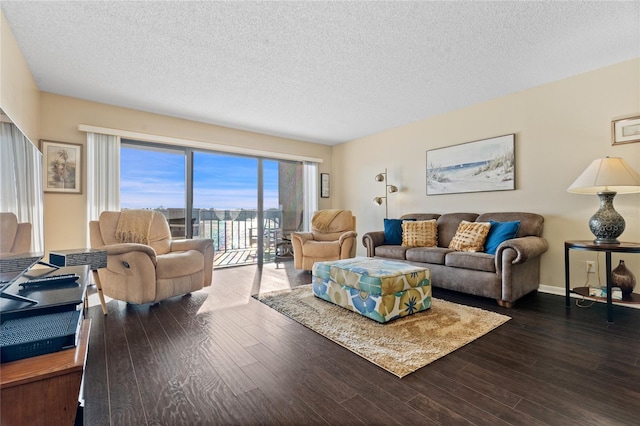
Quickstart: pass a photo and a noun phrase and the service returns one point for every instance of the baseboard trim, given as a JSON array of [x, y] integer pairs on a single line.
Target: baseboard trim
[[559, 291]]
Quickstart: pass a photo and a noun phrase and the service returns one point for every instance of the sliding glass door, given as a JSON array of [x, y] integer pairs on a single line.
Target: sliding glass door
[[225, 199], [246, 205]]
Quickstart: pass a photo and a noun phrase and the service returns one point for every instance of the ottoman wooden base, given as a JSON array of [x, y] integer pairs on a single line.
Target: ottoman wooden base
[[382, 290]]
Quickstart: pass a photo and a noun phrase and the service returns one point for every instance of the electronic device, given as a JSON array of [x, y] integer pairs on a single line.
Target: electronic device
[[40, 295], [39, 335], [4, 285], [50, 280]]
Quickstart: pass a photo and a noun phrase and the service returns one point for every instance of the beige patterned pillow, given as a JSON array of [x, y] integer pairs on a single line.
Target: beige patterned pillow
[[419, 233], [470, 236]]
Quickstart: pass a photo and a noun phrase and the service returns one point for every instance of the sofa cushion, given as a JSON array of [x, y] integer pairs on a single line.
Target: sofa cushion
[[468, 260], [433, 255], [500, 232], [419, 216], [420, 233], [392, 252], [448, 225], [470, 236], [531, 224]]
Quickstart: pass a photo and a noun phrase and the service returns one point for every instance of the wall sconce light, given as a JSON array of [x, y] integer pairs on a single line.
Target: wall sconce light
[[389, 189]]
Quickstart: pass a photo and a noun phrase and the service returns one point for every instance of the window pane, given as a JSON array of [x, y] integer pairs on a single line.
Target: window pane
[[154, 179]]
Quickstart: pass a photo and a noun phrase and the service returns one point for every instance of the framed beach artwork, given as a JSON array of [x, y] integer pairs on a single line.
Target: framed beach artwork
[[484, 165], [62, 164]]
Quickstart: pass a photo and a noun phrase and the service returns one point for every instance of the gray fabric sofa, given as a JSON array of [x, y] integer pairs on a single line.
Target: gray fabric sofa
[[511, 273]]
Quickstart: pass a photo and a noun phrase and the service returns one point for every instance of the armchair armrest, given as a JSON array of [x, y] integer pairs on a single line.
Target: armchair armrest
[[199, 244], [301, 237], [123, 248], [346, 235], [524, 248], [297, 241], [371, 240]]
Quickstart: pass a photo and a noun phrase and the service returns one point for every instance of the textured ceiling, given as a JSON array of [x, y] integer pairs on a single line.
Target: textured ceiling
[[325, 72]]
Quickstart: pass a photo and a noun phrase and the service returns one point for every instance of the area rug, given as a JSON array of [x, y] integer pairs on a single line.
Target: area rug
[[401, 346]]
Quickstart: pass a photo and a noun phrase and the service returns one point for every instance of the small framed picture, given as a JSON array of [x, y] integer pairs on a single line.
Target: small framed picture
[[625, 130], [325, 191], [62, 164]]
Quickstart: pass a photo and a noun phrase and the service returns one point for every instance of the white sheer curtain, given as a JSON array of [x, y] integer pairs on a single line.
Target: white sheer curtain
[[21, 181], [310, 192], [103, 174]]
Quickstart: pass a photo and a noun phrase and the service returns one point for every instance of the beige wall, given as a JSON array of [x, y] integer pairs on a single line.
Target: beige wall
[[19, 95], [65, 214], [560, 128]]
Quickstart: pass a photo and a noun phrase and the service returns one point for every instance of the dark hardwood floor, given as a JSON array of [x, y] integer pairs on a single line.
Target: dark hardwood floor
[[219, 357]]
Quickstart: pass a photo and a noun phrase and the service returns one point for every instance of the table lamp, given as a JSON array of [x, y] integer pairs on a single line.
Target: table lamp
[[607, 177]]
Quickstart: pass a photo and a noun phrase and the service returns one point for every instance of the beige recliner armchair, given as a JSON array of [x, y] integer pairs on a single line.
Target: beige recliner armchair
[[332, 237], [151, 272], [15, 237]]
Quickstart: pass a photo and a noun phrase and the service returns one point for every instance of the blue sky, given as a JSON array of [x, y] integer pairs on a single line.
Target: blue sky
[[150, 179]]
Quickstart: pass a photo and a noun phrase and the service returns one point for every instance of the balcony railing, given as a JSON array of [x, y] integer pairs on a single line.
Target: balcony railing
[[234, 232]]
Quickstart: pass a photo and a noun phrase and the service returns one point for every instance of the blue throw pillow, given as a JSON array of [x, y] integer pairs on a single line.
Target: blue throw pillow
[[500, 232], [393, 231]]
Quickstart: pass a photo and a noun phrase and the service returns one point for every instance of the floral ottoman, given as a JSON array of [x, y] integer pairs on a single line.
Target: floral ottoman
[[379, 289]]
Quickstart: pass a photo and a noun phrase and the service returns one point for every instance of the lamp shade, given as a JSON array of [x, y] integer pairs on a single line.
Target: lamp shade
[[609, 174]]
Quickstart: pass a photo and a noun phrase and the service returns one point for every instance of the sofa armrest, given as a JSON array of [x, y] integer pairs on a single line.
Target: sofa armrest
[[199, 244], [123, 248], [525, 248], [371, 240]]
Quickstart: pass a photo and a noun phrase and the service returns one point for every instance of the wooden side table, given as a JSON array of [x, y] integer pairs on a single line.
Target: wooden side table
[[623, 247], [95, 258], [44, 390]]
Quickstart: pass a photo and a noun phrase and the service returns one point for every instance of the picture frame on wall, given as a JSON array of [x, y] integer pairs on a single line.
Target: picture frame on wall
[[625, 130], [478, 166], [62, 167], [325, 191]]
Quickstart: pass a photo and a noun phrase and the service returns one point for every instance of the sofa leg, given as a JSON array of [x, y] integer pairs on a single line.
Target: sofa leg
[[504, 303]]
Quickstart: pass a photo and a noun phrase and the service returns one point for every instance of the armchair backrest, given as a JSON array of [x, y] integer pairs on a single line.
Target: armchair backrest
[[159, 232], [328, 225], [15, 237]]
